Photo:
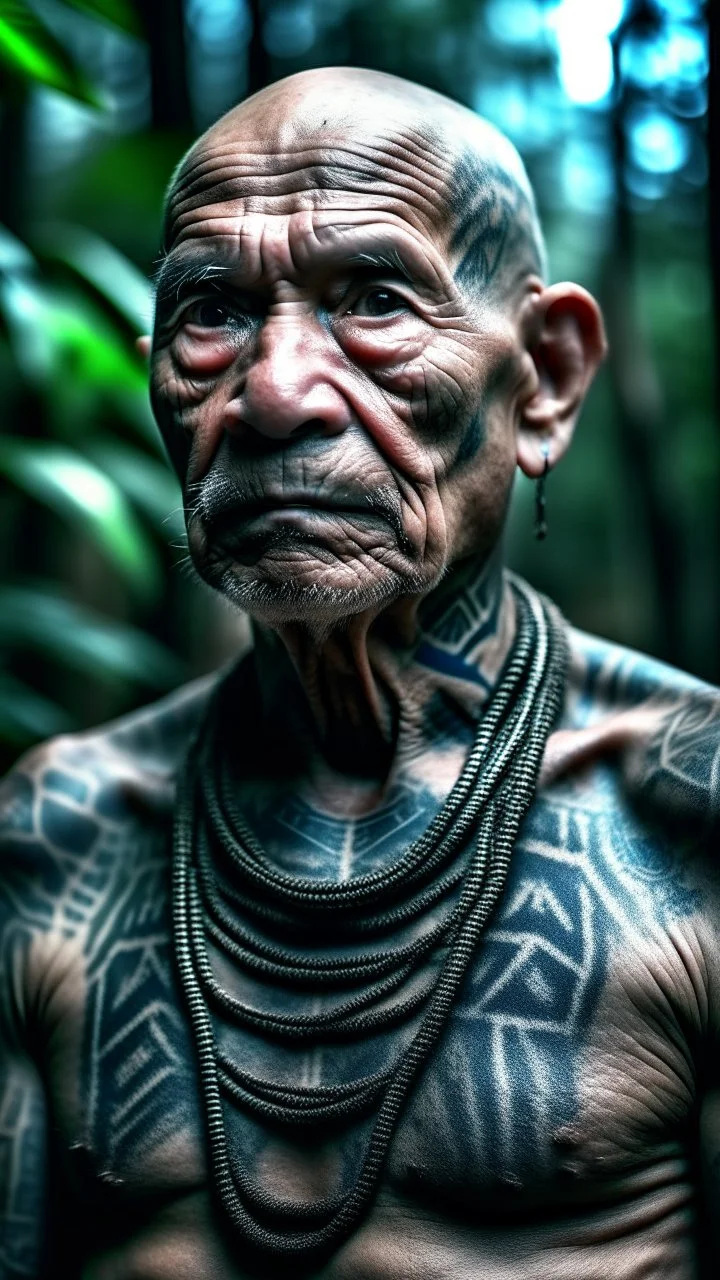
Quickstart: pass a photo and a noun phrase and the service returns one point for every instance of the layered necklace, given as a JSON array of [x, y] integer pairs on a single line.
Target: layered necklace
[[276, 928]]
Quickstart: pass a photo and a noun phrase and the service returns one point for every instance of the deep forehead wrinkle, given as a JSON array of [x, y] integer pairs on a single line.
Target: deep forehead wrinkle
[[395, 166], [407, 151], [443, 170]]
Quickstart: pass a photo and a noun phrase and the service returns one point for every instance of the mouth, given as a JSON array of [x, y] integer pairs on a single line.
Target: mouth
[[274, 512], [251, 528], [301, 502]]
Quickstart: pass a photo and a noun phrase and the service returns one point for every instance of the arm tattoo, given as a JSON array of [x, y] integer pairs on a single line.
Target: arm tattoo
[[22, 1167], [679, 771], [22, 1110]]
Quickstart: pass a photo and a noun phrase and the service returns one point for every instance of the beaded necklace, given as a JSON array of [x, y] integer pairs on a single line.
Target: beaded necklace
[[226, 889]]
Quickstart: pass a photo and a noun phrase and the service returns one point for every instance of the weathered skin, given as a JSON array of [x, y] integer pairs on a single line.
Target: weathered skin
[[569, 1123]]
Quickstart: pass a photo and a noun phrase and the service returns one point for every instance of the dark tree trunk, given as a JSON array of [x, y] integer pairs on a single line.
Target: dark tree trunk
[[165, 28], [712, 14], [641, 419], [13, 162], [259, 73], [713, 18]]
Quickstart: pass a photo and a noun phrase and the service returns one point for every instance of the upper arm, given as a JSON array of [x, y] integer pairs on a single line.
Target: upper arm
[[22, 1168], [710, 1174], [22, 1103]]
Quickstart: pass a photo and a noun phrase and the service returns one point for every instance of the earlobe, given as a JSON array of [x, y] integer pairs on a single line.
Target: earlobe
[[143, 345], [566, 342]]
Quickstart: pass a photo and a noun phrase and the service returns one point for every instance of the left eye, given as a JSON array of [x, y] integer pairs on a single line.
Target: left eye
[[208, 315], [378, 302]]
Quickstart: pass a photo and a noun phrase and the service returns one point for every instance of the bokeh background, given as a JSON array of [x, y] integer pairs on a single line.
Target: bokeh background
[[607, 101]]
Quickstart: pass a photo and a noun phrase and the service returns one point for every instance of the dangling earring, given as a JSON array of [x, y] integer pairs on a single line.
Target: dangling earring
[[540, 521]]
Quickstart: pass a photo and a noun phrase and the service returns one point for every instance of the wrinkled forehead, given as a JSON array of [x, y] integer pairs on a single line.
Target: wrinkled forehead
[[402, 171], [345, 145]]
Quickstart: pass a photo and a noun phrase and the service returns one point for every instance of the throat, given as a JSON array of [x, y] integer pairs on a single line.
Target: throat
[[372, 698]]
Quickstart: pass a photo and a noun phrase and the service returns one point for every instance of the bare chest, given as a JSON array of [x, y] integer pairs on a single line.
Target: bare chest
[[535, 1094]]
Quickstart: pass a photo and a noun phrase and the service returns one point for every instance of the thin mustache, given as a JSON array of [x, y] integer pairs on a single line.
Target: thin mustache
[[227, 502]]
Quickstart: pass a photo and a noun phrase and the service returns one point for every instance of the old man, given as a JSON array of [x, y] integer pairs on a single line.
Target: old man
[[391, 951]]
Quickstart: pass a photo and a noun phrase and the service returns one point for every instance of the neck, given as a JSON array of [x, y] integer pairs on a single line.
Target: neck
[[367, 695]]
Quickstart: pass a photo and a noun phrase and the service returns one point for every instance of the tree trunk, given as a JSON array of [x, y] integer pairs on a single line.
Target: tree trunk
[[259, 73], [641, 419], [13, 163], [165, 28]]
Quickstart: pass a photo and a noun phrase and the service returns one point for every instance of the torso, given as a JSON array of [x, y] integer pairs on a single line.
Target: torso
[[556, 1129]]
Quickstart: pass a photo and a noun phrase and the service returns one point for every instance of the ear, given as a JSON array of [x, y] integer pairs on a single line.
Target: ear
[[566, 343], [143, 345]]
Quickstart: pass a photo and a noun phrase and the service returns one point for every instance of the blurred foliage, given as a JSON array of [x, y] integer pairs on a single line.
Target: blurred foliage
[[608, 104], [29, 50]]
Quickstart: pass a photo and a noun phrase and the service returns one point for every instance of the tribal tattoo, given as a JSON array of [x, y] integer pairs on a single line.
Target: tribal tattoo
[[593, 888], [496, 236]]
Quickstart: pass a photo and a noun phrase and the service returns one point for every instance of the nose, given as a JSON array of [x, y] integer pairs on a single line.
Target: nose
[[289, 387]]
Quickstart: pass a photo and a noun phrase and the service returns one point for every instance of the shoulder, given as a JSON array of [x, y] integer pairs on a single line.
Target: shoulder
[[72, 807], [658, 727], [605, 676]]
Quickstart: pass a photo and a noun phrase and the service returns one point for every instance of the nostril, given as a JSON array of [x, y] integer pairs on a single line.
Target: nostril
[[309, 428]]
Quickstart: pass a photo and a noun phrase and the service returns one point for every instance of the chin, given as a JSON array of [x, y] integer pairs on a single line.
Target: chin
[[283, 594]]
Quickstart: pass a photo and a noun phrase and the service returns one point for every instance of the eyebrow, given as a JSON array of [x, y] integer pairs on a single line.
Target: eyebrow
[[385, 260], [181, 275], [176, 277]]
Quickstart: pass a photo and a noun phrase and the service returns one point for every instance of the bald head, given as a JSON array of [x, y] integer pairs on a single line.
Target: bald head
[[342, 123]]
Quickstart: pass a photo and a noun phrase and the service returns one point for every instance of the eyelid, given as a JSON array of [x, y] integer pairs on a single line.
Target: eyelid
[[362, 288], [237, 308]]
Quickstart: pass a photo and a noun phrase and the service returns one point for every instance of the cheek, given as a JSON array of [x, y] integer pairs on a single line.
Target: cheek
[[476, 494], [444, 392], [179, 400]]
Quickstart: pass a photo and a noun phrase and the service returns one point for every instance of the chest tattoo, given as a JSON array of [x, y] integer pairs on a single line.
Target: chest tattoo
[[458, 865]]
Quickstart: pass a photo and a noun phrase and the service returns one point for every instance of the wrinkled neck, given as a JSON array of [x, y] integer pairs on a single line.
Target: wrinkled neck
[[359, 700]]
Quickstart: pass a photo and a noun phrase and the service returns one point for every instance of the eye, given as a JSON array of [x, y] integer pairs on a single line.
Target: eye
[[208, 314], [378, 302]]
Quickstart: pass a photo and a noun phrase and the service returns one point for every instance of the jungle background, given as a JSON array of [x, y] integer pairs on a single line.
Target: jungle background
[[614, 106]]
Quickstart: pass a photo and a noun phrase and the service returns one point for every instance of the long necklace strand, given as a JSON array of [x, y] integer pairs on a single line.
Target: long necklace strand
[[220, 868]]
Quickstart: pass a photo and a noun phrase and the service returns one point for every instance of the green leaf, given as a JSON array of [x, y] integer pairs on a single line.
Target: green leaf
[[38, 618], [14, 255], [149, 484], [65, 345], [118, 12], [97, 263], [91, 359], [32, 52], [26, 716], [82, 494], [23, 306]]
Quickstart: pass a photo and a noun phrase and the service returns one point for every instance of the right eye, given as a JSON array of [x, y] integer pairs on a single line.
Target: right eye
[[208, 314]]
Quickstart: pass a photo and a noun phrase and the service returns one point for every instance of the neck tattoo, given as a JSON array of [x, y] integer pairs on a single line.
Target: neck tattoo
[[295, 933]]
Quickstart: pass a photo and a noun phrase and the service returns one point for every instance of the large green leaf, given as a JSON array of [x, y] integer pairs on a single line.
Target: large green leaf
[[97, 263], [22, 306], [26, 716], [91, 361], [68, 347], [78, 491], [149, 484], [31, 51], [119, 12], [38, 618]]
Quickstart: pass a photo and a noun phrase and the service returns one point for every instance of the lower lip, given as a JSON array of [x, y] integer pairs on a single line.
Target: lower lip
[[295, 514]]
